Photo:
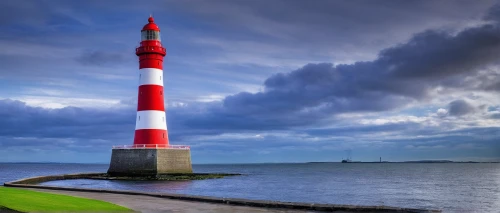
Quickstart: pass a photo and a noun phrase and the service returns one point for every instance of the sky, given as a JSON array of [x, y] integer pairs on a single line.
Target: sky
[[255, 81]]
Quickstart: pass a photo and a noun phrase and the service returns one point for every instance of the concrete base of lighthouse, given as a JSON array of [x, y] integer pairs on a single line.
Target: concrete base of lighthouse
[[146, 162]]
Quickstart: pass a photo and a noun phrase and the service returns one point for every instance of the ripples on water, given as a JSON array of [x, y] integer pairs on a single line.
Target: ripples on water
[[451, 187]]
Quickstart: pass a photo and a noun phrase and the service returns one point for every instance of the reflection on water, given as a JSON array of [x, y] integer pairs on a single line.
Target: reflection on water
[[451, 187]]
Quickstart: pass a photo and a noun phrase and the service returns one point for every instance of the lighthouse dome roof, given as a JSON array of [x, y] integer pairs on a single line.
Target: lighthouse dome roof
[[151, 25]]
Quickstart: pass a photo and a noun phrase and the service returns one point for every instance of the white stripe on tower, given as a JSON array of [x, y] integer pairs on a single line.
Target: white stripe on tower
[[151, 76], [151, 119]]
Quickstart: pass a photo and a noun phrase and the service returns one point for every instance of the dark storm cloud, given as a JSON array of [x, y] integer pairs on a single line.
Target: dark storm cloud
[[401, 75], [366, 129], [21, 120], [23, 125], [493, 13], [434, 55], [459, 108], [329, 21], [494, 86]]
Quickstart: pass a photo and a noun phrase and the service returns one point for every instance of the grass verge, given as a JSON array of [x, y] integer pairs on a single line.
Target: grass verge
[[31, 201]]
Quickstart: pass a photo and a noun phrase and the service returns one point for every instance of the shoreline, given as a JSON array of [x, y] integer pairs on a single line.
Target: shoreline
[[409, 162], [31, 183]]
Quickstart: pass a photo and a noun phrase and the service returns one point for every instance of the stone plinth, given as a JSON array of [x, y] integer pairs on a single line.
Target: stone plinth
[[141, 162]]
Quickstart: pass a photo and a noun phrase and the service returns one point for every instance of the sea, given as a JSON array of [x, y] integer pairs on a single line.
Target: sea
[[450, 187]]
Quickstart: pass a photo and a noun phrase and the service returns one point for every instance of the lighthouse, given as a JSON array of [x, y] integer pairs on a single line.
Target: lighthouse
[[150, 126], [151, 153]]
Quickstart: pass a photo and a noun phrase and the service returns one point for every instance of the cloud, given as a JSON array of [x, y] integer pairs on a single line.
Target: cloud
[[26, 12], [495, 116], [100, 58], [493, 13], [21, 120], [95, 130], [342, 31], [401, 75], [316, 106], [460, 108], [441, 112]]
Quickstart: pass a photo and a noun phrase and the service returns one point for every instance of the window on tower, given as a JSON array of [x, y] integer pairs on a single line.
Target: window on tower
[[150, 35]]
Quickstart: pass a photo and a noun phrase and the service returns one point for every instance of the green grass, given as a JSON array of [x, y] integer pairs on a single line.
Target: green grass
[[32, 201]]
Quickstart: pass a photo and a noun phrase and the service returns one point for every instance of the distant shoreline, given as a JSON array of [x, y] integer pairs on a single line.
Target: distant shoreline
[[423, 161]]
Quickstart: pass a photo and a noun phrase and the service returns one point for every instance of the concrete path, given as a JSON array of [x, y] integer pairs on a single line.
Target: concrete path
[[147, 204]]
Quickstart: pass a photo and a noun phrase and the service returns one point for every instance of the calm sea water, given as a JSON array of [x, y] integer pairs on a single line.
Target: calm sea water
[[450, 187]]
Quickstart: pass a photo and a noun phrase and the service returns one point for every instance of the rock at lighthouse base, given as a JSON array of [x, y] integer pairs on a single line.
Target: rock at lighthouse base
[[147, 162]]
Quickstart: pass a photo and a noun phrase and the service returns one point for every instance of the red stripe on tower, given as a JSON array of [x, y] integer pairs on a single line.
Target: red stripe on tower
[[151, 122]]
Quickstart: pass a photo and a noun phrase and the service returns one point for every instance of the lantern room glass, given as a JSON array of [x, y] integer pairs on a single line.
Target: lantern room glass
[[150, 35]]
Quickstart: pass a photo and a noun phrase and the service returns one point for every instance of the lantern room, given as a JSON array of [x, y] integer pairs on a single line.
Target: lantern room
[[150, 31]]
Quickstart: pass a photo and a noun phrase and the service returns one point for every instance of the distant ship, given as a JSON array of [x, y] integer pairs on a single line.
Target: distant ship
[[348, 158]]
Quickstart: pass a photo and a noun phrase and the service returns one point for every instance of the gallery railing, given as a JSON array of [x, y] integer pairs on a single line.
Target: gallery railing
[[151, 146]]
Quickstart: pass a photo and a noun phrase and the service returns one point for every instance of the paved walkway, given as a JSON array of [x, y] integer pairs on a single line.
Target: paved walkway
[[147, 204]]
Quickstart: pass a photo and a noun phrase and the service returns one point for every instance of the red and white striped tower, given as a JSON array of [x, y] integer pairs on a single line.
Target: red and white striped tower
[[151, 122], [151, 153]]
